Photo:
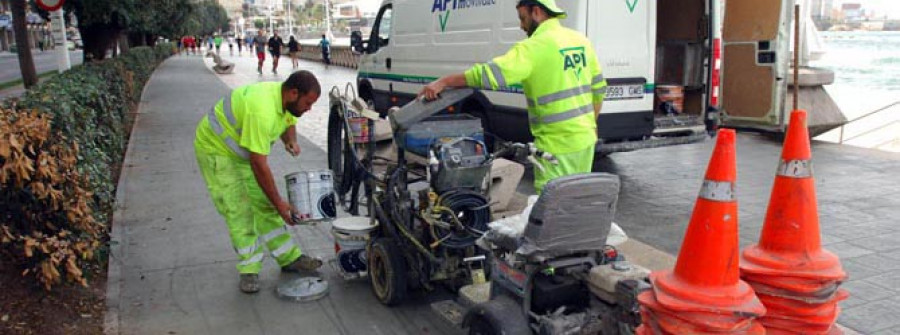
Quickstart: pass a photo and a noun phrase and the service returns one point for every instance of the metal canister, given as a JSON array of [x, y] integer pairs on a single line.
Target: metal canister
[[312, 195]]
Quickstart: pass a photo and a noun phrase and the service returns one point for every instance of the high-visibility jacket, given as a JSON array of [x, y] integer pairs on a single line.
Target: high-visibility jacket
[[562, 79], [248, 119]]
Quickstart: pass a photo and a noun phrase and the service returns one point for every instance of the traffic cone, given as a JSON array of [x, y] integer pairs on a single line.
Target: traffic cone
[[794, 277], [704, 293]]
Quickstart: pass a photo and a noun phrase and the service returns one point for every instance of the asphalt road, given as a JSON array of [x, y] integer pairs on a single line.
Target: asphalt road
[[43, 62]]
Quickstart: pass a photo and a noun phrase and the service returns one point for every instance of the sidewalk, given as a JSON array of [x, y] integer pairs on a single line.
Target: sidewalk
[[172, 264], [172, 267]]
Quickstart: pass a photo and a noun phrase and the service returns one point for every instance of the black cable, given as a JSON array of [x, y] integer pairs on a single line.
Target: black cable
[[476, 215]]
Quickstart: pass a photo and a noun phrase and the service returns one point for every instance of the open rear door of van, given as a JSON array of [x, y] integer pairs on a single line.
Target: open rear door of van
[[755, 65]]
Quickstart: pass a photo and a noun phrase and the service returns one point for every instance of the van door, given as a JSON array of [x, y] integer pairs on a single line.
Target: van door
[[378, 61], [755, 65]]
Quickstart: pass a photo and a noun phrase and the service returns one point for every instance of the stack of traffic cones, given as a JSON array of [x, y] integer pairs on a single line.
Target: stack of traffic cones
[[704, 293], [794, 277]]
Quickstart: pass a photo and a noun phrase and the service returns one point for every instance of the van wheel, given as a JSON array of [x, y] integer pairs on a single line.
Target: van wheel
[[387, 271]]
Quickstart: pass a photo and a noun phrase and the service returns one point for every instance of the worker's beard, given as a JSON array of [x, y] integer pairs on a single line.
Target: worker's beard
[[532, 26], [294, 108]]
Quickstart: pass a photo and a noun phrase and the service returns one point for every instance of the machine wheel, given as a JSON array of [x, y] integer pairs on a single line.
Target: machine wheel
[[387, 270], [499, 316], [340, 160]]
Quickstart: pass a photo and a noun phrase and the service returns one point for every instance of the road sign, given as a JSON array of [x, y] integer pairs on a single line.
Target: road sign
[[50, 5]]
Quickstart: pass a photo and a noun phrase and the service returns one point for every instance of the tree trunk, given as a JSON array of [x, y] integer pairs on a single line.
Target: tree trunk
[[123, 43], [26, 63]]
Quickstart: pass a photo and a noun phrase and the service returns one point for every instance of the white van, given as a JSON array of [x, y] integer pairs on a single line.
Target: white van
[[645, 47]]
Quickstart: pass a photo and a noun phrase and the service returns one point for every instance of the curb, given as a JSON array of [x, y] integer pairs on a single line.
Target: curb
[[111, 320]]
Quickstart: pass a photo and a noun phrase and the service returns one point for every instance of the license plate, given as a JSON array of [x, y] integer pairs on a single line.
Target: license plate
[[624, 92]]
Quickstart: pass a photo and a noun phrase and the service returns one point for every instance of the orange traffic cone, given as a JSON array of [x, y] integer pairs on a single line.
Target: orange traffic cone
[[796, 279], [704, 292]]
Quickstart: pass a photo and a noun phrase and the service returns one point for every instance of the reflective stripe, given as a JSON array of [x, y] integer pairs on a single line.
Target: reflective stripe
[[240, 151], [218, 129], [229, 114], [569, 114], [214, 121], [255, 259], [248, 250], [497, 74], [485, 80], [601, 90], [597, 79], [795, 169], [283, 249], [274, 234], [564, 94], [717, 191]]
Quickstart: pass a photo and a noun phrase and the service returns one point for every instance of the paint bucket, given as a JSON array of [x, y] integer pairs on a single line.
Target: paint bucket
[[673, 94], [359, 129], [312, 195], [351, 233]]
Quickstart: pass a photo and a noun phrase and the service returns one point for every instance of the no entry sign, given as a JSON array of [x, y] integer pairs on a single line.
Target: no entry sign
[[50, 5]]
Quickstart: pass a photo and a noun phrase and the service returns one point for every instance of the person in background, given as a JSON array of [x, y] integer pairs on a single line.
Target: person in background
[[275, 44], [294, 51], [217, 41], [240, 43], [209, 42], [231, 46], [325, 45], [259, 42]]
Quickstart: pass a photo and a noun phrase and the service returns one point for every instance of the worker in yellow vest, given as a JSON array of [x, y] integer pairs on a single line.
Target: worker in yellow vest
[[232, 145], [563, 83]]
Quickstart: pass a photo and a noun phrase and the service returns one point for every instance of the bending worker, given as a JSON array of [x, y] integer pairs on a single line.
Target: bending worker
[[563, 84], [232, 144]]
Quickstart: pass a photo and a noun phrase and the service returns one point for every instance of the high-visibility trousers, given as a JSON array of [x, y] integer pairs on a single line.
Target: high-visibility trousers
[[569, 164], [252, 220]]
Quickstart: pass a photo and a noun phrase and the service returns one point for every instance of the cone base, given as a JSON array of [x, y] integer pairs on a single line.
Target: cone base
[[822, 264], [677, 295]]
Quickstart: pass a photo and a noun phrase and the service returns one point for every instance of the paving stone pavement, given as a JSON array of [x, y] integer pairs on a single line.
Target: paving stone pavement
[[858, 195]]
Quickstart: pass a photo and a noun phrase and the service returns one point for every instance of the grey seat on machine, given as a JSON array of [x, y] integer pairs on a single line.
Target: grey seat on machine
[[572, 215]]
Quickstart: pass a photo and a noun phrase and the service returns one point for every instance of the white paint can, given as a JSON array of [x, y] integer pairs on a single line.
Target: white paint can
[[312, 195]]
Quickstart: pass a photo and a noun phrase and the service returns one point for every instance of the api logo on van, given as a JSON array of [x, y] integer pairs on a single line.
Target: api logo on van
[[574, 59], [445, 6]]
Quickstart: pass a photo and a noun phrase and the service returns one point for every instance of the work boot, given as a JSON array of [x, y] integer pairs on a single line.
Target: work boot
[[303, 264], [249, 283]]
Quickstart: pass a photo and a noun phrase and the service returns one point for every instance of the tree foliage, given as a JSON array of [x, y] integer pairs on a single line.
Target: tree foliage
[[101, 22]]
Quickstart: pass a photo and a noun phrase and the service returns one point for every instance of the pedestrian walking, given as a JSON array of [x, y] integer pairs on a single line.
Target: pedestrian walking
[[325, 45], [275, 44], [294, 51], [240, 44], [563, 84], [232, 145], [231, 46], [260, 43], [217, 41]]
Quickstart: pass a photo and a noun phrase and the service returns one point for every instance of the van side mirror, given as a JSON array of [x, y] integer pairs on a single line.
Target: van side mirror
[[356, 42]]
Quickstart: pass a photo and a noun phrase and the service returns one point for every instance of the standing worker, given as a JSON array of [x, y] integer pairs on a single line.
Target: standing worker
[[563, 84], [275, 44], [232, 145], [259, 42]]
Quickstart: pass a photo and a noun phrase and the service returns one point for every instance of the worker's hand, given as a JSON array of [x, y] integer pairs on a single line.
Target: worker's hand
[[292, 148], [433, 90], [287, 212]]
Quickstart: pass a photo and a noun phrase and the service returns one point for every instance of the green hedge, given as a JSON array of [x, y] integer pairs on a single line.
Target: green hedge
[[88, 106]]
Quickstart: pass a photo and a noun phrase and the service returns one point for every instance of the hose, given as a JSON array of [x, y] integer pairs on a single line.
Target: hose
[[476, 213]]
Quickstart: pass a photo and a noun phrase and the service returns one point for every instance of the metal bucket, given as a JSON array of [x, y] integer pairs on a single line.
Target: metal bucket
[[351, 233], [312, 195]]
